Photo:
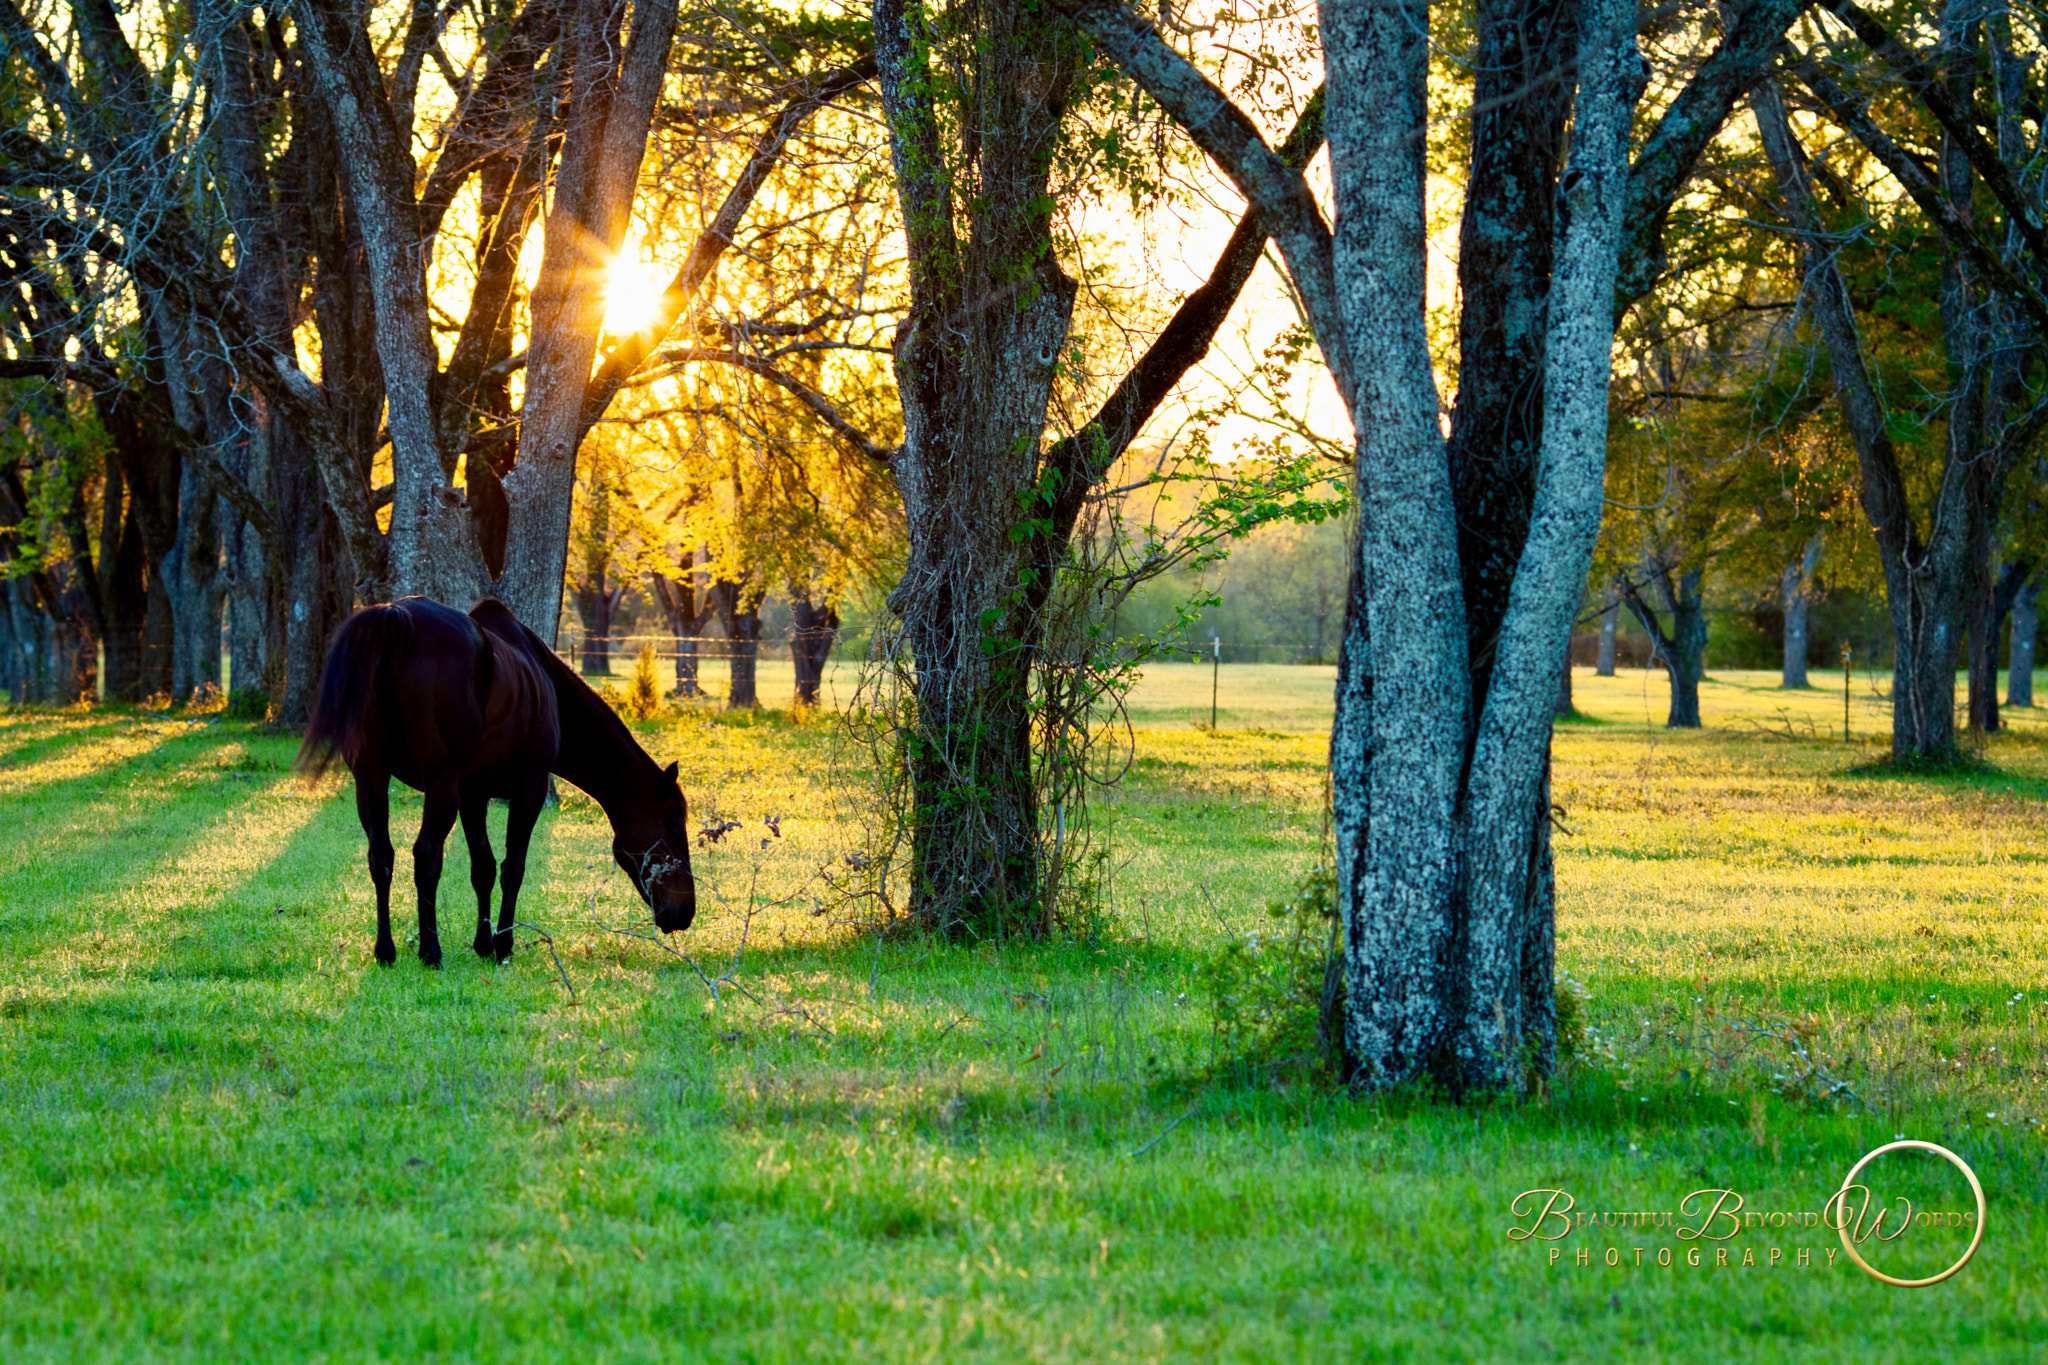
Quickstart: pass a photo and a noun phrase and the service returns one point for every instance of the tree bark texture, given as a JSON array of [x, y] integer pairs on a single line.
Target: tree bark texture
[[433, 549], [1506, 1003], [1443, 864], [1403, 696], [1438, 785], [990, 310]]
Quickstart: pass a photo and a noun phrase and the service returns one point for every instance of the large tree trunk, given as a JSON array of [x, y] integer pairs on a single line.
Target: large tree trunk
[[1442, 864], [974, 376], [739, 613], [614, 81], [1404, 694], [1927, 640], [433, 549], [1797, 592], [816, 622]]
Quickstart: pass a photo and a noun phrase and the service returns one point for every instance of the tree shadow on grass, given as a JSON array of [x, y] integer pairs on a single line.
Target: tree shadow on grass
[[1958, 772]]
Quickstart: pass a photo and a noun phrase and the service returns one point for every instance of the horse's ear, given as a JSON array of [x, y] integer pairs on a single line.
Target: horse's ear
[[669, 772]]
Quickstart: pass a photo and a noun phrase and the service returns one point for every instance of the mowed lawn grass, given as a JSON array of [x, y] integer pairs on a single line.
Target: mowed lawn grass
[[229, 1135]]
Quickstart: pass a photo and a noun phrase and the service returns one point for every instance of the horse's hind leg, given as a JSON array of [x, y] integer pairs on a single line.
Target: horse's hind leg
[[373, 808], [483, 868], [533, 794], [442, 803]]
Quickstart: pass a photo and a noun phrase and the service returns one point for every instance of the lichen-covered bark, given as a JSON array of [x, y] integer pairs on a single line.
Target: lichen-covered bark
[[1395, 780], [1506, 805], [1449, 917]]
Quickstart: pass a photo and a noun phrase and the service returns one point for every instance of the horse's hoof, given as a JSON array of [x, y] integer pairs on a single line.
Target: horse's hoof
[[387, 953], [431, 956], [504, 947], [485, 946]]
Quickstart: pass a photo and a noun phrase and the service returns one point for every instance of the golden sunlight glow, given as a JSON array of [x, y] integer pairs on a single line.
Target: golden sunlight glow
[[633, 292]]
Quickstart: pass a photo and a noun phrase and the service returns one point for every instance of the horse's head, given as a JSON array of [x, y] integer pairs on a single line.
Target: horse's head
[[652, 842]]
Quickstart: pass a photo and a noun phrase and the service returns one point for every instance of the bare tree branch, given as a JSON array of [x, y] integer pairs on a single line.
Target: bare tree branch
[[810, 397], [1278, 191], [632, 353]]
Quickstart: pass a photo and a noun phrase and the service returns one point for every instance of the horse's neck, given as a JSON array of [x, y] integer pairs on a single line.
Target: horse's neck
[[596, 758], [597, 753]]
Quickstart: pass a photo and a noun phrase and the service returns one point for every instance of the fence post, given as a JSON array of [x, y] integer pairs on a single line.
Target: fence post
[[1847, 667], [1215, 674]]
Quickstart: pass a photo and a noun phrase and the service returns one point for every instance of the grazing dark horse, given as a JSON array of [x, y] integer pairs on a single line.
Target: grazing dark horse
[[465, 708]]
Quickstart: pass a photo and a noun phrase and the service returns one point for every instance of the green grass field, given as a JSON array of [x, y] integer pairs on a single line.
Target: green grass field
[[231, 1136]]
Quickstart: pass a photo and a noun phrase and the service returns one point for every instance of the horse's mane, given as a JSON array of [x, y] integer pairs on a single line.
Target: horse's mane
[[586, 718]]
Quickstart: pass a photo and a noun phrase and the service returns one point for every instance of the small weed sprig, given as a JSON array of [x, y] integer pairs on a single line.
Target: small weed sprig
[[1787, 1055]]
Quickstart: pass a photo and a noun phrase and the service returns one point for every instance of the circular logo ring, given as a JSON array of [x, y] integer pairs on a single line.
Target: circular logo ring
[[1913, 1145]]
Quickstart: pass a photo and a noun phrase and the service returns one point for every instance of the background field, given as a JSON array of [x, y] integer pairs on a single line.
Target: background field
[[231, 1136]]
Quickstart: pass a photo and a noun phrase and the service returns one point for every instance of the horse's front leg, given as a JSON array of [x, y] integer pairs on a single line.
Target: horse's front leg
[[373, 808], [483, 868], [443, 803], [526, 807]]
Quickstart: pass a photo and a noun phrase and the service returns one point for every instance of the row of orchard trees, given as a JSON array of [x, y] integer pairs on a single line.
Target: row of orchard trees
[[307, 303], [1842, 375], [277, 262]]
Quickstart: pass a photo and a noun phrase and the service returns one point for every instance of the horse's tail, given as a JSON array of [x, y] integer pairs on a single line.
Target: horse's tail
[[348, 680]]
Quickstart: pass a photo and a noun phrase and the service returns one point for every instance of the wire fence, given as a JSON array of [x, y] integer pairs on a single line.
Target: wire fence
[[621, 650]]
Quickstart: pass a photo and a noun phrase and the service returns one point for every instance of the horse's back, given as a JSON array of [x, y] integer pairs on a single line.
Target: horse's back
[[433, 693], [522, 720]]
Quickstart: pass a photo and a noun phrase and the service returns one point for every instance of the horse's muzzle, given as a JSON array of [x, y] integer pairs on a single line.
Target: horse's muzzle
[[671, 917]]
